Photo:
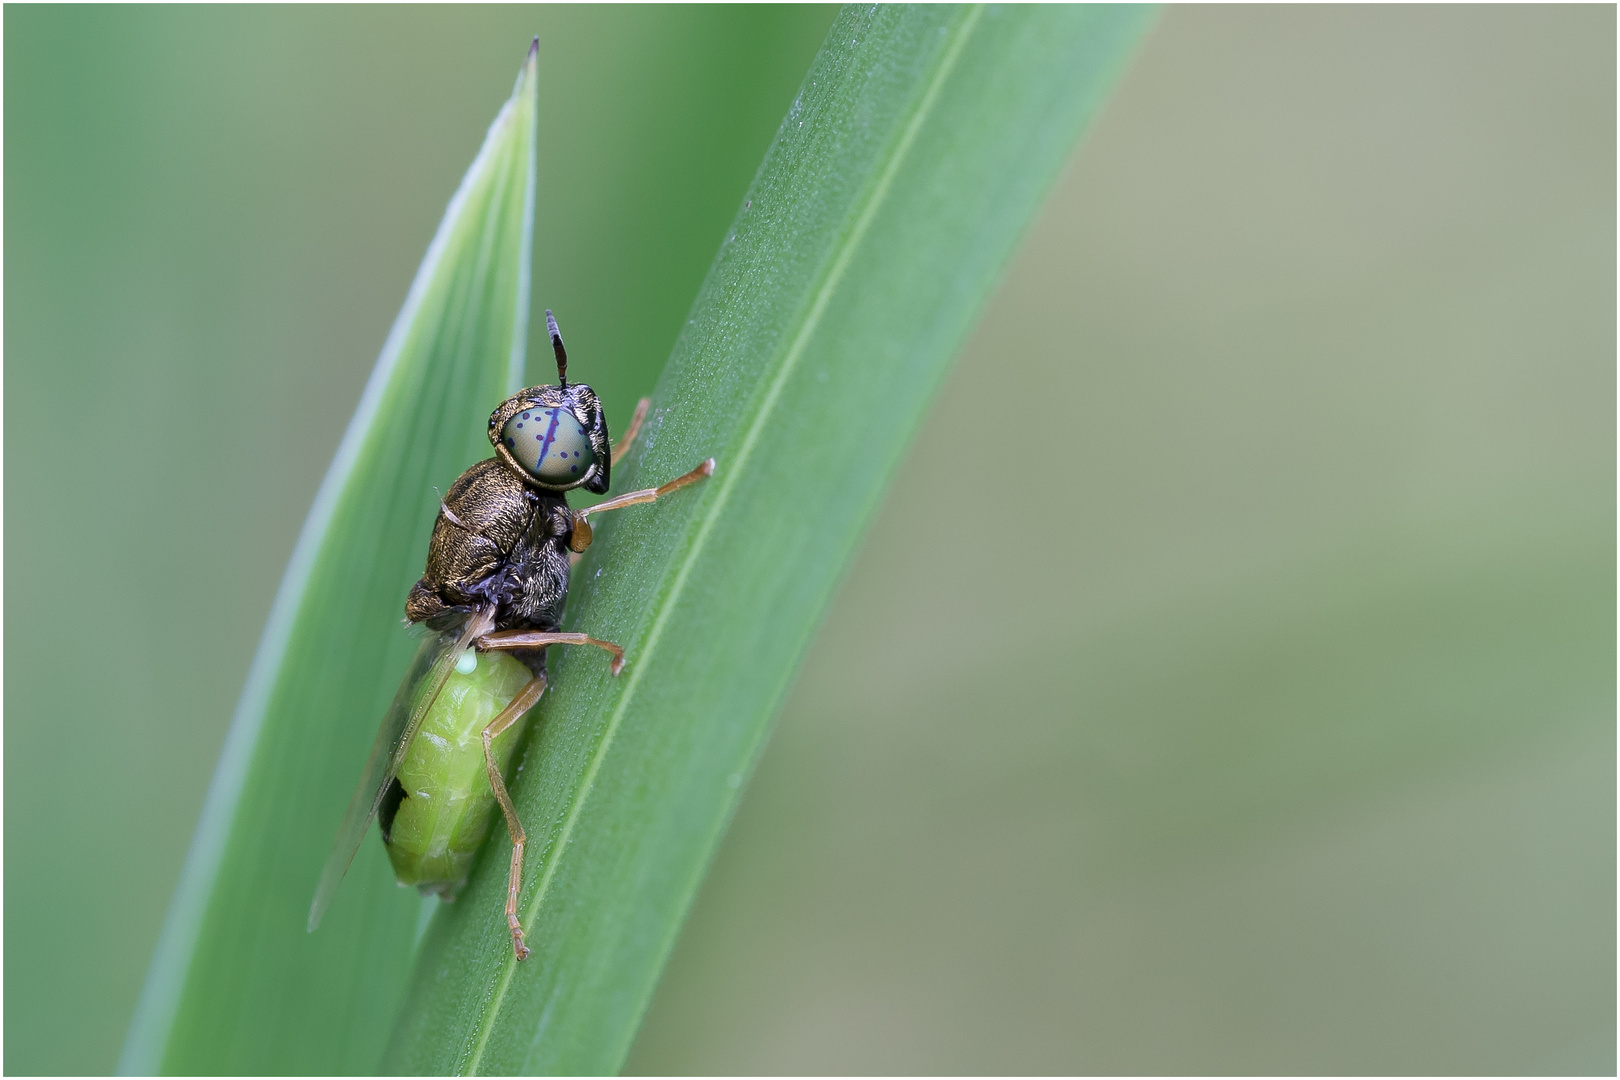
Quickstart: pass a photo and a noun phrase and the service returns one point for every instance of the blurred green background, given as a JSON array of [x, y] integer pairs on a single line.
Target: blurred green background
[[1261, 721]]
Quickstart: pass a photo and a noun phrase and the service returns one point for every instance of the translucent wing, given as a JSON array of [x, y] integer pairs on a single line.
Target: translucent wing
[[427, 675]]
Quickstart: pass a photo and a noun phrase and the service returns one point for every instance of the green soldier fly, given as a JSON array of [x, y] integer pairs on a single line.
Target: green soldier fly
[[491, 600]]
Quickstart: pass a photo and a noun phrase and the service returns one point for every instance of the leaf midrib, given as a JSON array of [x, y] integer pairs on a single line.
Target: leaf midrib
[[874, 199]]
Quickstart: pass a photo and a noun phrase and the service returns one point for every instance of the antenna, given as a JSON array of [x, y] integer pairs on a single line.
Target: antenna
[[557, 347]]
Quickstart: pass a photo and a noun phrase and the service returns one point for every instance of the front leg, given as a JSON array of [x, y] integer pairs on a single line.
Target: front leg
[[629, 436], [580, 538]]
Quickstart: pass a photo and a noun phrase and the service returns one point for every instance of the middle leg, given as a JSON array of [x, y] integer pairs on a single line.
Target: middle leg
[[538, 639]]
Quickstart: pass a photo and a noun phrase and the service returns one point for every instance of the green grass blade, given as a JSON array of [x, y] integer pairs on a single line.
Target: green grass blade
[[919, 145], [237, 986]]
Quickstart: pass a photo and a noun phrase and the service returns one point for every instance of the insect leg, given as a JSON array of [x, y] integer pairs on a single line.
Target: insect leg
[[629, 435], [535, 639], [514, 879], [581, 538]]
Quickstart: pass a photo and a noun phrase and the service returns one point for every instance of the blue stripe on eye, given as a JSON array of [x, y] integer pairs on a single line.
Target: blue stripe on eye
[[551, 433]]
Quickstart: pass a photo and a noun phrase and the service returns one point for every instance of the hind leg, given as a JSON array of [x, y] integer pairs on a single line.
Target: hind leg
[[514, 880]]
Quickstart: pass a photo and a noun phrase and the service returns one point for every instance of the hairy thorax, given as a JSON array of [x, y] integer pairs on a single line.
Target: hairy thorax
[[496, 540]]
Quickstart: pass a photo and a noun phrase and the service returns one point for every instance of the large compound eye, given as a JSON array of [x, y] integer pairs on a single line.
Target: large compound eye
[[551, 444]]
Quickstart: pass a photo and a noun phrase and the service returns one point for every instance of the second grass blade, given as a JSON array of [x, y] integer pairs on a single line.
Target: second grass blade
[[919, 145]]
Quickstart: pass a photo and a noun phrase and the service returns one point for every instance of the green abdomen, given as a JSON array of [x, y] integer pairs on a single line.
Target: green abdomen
[[448, 805]]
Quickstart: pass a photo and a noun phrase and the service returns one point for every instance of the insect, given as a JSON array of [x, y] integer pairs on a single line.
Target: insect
[[491, 599]]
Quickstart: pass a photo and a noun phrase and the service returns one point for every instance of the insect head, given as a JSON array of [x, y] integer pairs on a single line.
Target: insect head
[[554, 437]]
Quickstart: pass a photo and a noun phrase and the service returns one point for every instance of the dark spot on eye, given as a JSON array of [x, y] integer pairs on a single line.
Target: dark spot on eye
[[525, 416], [573, 468], [511, 444]]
